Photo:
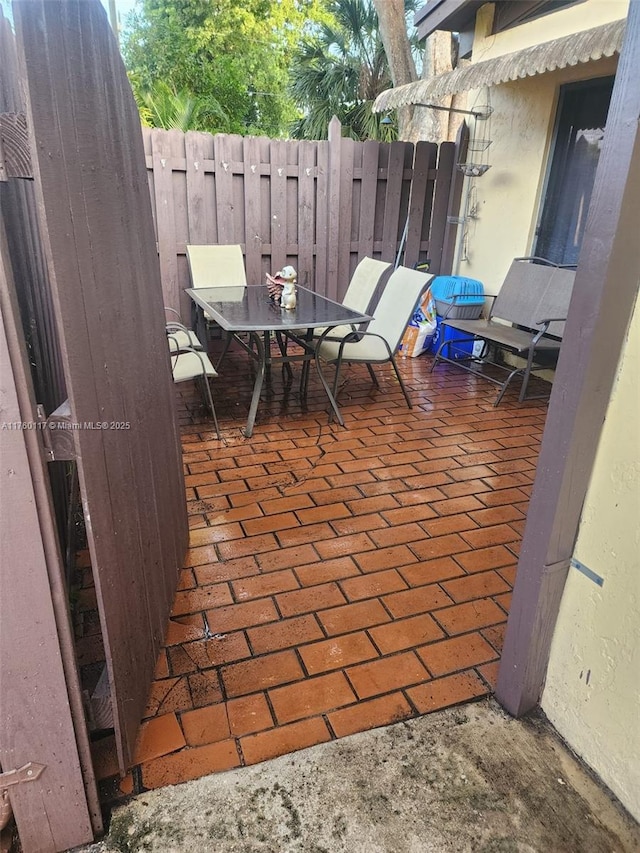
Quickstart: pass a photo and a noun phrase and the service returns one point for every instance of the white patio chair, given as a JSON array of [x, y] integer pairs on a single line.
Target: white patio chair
[[215, 266], [363, 284], [181, 336], [188, 364], [380, 342]]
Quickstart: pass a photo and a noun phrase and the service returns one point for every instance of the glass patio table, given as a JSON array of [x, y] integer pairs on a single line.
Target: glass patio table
[[250, 311]]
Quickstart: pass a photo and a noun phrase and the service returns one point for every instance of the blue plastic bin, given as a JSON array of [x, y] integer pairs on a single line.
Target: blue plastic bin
[[461, 350], [468, 293]]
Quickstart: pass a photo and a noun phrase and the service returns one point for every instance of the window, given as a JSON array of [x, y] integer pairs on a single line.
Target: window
[[580, 127]]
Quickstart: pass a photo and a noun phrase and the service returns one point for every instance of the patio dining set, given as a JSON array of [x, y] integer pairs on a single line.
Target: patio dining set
[[322, 330], [526, 319]]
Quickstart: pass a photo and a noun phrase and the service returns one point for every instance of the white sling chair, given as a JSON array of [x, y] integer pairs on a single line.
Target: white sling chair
[[362, 286], [214, 266], [379, 343], [189, 363]]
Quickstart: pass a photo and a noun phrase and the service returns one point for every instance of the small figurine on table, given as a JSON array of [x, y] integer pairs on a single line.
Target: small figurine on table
[[282, 287]]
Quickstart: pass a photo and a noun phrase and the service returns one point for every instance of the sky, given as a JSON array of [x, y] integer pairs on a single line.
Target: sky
[[123, 7]]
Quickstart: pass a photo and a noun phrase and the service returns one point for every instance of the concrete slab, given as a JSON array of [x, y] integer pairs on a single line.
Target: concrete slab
[[465, 779]]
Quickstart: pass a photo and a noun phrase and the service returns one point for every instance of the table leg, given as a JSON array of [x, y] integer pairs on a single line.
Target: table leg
[[228, 337], [331, 397], [304, 377], [282, 346], [257, 385]]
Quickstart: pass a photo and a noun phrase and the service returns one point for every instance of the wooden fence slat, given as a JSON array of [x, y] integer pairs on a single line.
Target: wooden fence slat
[[306, 208], [446, 165], [391, 226], [346, 196], [455, 196], [322, 216], [421, 198], [278, 195], [333, 208], [196, 207], [253, 242], [368, 191], [165, 216], [224, 189]]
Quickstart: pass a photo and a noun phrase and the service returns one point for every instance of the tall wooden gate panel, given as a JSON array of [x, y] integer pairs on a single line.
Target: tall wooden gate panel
[[36, 723], [98, 235]]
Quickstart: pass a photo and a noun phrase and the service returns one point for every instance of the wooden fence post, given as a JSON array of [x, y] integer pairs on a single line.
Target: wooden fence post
[[333, 207], [455, 196], [446, 166]]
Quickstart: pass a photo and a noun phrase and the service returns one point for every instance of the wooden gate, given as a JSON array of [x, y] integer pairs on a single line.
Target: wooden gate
[[95, 234]]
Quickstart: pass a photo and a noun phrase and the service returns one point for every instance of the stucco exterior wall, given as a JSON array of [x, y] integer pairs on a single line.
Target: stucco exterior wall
[[592, 693], [564, 22], [506, 200]]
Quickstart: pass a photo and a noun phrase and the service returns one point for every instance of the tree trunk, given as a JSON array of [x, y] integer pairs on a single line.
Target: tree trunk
[[436, 125], [393, 31]]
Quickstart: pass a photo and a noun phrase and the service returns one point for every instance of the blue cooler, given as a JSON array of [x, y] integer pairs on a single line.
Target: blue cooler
[[460, 350], [467, 305]]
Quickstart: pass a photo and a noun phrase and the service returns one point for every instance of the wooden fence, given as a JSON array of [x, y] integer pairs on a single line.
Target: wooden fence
[[320, 206]]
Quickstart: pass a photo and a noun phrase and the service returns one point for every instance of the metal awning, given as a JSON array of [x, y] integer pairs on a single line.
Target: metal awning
[[575, 49]]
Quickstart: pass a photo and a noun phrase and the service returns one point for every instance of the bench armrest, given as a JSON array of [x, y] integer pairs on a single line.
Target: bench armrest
[[548, 320]]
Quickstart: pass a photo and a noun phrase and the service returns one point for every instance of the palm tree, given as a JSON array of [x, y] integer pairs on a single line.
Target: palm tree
[[160, 105], [339, 70]]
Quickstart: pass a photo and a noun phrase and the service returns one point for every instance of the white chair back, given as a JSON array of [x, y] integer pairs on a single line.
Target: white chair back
[[396, 305], [363, 283], [216, 266]]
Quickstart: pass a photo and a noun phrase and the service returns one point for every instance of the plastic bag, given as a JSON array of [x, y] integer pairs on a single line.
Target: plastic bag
[[421, 329]]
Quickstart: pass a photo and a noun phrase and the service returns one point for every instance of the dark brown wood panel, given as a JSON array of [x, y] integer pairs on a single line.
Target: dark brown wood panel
[[321, 206], [392, 207], [253, 250], [333, 209], [603, 299], [224, 189], [422, 188], [37, 708], [98, 234], [369, 183], [322, 216], [446, 166], [194, 144], [346, 205], [306, 212], [455, 197], [278, 193]]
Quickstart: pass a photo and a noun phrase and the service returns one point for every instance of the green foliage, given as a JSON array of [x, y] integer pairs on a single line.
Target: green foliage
[[228, 60], [339, 69], [161, 106]]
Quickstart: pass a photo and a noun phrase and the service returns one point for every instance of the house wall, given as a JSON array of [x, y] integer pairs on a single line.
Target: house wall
[[592, 693], [505, 202], [564, 22]]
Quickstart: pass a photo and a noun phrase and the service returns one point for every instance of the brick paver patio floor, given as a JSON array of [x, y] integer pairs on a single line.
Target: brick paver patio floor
[[337, 579]]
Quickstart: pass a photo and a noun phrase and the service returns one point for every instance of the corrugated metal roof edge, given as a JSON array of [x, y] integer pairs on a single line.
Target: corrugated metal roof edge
[[586, 46]]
